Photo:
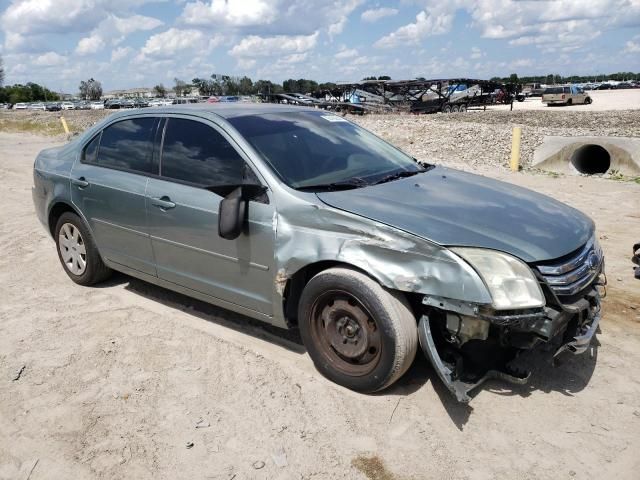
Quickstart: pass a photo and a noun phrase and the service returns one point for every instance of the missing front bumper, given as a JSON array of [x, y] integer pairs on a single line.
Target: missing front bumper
[[570, 329], [458, 387]]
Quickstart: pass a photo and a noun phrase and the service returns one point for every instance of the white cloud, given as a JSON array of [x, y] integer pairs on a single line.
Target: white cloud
[[375, 14], [521, 22], [89, 45], [632, 47], [270, 17], [119, 53], [114, 30], [246, 63], [235, 13], [476, 53], [346, 53], [433, 23], [49, 59], [174, 40], [256, 46]]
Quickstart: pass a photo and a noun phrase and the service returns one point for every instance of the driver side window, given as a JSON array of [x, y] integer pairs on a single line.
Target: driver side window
[[195, 153]]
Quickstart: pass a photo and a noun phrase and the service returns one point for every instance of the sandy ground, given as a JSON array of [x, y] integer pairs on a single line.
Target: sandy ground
[[113, 382], [602, 100]]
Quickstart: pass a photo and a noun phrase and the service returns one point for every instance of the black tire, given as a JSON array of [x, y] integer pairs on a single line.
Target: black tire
[[455, 108], [569, 102], [463, 107], [446, 108], [587, 100], [95, 270], [383, 322]]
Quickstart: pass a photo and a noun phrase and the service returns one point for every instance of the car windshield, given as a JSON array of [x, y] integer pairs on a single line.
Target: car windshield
[[311, 150]]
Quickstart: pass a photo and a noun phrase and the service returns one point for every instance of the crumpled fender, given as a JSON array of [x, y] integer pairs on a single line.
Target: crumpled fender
[[398, 260]]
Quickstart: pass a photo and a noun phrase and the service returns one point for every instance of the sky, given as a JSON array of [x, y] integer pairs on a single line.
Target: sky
[[141, 43]]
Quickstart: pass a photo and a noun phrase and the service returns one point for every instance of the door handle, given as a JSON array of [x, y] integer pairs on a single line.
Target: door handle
[[80, 182], [163, 203]]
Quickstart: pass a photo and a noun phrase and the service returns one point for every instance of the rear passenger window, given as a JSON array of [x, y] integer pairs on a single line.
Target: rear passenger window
[[196, 153], [128, 144], [90, 152]]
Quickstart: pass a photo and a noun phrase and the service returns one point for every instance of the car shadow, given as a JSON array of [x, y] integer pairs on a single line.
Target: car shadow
[[569, 376], [288, 339]]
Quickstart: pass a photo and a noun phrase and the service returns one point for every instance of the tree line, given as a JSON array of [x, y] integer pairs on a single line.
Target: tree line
[[555, 78], [31, 92]]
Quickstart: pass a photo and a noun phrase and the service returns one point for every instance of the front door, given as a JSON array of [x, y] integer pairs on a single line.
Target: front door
[[183, 219], [108, 185]]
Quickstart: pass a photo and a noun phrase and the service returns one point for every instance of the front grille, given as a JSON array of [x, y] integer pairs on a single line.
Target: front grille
[[574, 273]]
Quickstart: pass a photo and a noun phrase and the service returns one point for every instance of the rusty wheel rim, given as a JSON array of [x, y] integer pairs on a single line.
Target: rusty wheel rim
[[346, 333]]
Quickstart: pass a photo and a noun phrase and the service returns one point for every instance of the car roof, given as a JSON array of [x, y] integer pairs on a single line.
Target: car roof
[[229, 110]]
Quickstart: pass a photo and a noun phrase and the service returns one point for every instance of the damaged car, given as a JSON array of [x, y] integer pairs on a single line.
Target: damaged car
[[302, 219]]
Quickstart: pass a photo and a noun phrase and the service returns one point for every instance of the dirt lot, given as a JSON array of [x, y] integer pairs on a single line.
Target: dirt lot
[[114, 382]]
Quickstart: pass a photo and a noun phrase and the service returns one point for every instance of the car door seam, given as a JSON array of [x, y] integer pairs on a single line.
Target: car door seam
[[137, 232]]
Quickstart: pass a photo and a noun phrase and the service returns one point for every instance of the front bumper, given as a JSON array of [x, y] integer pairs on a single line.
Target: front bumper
[[560, 328]]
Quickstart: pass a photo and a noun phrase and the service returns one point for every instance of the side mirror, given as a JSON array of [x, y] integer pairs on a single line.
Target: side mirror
[[233, 209]]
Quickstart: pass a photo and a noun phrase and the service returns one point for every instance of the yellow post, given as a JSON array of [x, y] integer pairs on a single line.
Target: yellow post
[[64, 125], [515, 149]]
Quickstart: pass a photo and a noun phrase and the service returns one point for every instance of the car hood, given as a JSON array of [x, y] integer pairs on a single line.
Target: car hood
[[454, 208]]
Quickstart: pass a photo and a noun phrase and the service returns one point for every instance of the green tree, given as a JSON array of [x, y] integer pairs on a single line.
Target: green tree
[[31, 92], [1, 72], [181, 88], [160, 90], [245, 86], [90, 89]]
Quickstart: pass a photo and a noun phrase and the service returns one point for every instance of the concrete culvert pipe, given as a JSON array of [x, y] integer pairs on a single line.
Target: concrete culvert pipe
[[590, 159]]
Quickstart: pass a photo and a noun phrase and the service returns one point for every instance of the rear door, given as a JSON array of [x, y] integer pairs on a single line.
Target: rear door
[[108, 186], [183, 218]]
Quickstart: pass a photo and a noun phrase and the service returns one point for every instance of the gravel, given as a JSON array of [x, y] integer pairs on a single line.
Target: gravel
[[483, 139]]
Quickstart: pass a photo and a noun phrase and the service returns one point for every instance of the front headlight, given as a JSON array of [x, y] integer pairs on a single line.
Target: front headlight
[[510, 281]]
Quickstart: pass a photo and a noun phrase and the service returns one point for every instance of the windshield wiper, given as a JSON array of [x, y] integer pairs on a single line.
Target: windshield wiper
[[355, 182], [400, 174]]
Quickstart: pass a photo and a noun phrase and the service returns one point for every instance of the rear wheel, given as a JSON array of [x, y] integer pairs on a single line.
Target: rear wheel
[[446, 108], [78, 252], [587, 100], [570, 102], [463, 107], [455, 108], [358, 334]]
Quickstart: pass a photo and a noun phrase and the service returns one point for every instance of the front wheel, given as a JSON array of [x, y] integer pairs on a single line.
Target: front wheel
[[358, 334], [78, 252]]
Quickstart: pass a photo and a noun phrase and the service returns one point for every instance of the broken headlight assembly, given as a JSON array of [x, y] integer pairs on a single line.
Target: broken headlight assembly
[[510, 281]]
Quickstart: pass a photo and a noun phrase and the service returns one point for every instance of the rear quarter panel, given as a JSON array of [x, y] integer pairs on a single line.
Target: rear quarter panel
[[51, 182]]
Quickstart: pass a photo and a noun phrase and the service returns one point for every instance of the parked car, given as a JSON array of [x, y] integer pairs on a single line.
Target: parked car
[[567, 95], [533, 90], [140, 103], [97, 105], [4, 106], [20, 106], [113, 103], [184, 101], [37, 106], [52, 107], [67, 106], [300, 218]]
